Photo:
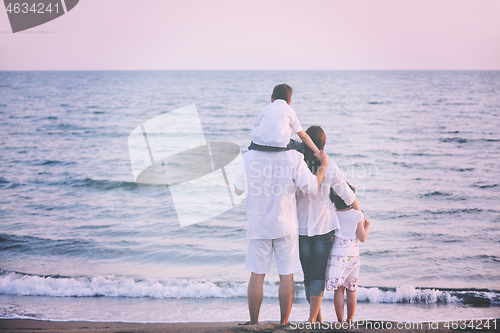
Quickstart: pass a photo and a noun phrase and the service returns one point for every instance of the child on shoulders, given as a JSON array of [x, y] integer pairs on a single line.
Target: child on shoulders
[[272, 126]]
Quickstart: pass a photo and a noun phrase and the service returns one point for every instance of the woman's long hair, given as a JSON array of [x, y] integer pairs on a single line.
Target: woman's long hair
[[318, 136], [338, 201]]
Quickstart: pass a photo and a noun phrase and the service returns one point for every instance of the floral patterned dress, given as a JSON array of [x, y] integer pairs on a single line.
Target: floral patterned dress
[[344, 262]]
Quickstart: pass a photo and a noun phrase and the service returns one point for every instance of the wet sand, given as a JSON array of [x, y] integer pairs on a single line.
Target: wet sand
[[29, 325]]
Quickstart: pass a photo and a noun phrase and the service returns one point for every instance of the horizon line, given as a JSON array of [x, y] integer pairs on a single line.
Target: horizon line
[[229, 70]]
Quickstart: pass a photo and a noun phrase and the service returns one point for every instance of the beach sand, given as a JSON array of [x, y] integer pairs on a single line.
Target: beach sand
[[29, 325]]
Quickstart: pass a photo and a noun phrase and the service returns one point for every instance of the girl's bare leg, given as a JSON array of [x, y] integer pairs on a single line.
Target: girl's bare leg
[[338, 301], [351, 304]]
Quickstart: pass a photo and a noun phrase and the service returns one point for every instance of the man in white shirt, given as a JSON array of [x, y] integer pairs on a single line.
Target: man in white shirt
[[271, 179]]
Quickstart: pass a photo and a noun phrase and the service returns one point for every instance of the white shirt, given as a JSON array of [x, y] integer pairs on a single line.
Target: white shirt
[[316, 213], [349, 223], [272, 179], [272, 125]]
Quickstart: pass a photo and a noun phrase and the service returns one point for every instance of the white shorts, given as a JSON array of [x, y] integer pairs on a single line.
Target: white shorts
[[286, 252]]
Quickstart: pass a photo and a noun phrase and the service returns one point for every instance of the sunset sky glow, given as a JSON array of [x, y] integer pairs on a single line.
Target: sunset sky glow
[[267, 35]]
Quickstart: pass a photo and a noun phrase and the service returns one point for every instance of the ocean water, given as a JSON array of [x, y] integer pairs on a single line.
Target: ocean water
[[79, 240]]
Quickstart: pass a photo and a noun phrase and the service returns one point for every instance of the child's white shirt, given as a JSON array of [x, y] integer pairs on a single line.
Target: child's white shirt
[[273, 125], [348, 221]]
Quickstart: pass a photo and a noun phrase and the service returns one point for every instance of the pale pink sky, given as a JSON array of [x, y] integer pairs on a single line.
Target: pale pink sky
[[255, 34]]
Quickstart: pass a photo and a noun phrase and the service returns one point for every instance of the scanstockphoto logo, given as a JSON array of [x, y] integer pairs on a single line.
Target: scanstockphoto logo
[[26, 14], [170, 150]]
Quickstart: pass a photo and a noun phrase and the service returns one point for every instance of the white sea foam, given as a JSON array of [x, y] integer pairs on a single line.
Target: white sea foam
[[112, 286], [18, 284], [405, 294]]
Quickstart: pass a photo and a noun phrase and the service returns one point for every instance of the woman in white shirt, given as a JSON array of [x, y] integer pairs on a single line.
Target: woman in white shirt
[[317, 223]]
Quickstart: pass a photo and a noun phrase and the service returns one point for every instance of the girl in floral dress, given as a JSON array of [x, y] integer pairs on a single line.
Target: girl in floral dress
[[343, 263]]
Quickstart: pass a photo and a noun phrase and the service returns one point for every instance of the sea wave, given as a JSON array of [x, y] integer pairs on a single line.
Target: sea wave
[[103, 184], [455, 211], [3, 182], [98, 184], [455, 139], [21, 284]]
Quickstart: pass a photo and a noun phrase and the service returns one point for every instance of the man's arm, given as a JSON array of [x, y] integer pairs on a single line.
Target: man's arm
[[304, 179], [240, 179], [323, 158], [308, 141], [238, 191]]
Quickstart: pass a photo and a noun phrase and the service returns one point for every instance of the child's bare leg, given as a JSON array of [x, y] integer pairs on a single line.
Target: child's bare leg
[[351, 304], [338, 301], [319, 317]]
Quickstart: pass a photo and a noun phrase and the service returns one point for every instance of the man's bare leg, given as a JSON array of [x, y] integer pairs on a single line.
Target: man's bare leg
[[285, 294], [255, 296]]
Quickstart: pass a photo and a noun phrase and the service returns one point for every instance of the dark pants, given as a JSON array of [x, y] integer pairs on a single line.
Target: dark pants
[[295, 145], [314, 252]]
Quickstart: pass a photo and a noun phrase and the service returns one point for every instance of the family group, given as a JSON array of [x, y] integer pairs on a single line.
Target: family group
[[301, 210]]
